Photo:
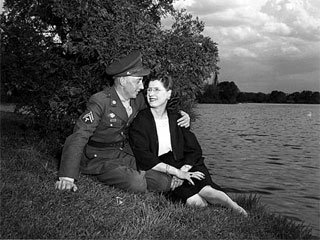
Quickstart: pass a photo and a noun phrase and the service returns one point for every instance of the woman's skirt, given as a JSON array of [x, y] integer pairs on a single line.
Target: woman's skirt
[[187, 190]]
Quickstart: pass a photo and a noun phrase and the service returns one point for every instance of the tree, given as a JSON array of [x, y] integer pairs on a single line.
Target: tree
[[56, 52], [277, 97], [293, 97], [315, 98], [228, 92], [224, 92], [209, 95], [305, 97], [24, 39], [188, 56]]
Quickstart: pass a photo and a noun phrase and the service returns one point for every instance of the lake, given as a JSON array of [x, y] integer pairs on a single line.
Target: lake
[[272, 150]]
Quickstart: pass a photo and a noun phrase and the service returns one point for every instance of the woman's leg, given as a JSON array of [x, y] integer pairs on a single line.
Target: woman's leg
[[214, 196], [197, 201]]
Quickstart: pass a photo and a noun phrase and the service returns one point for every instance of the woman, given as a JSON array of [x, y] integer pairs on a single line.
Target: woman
[[161, 146]]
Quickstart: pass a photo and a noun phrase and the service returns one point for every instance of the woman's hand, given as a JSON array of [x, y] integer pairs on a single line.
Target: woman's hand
[[188, 175]]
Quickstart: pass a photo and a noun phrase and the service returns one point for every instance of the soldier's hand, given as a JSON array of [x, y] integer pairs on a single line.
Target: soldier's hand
[[184, 121], [63, 184], [176, 182]]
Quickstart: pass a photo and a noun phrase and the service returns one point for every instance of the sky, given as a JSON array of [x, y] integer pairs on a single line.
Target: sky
[[264, 45]]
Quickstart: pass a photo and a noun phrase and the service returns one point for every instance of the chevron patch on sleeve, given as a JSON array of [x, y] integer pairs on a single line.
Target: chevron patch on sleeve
[[88, 118]]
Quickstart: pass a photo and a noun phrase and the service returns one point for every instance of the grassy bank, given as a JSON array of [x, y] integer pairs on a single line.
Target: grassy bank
[[32, 208]]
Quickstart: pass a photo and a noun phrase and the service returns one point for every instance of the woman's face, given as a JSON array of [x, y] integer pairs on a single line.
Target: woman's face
[[157, 95]]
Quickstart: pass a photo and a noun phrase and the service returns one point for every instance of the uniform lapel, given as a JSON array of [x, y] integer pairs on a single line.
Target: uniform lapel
[[116, 106]]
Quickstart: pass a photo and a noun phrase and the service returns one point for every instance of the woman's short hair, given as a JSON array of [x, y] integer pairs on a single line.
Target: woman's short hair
[[164, 78]]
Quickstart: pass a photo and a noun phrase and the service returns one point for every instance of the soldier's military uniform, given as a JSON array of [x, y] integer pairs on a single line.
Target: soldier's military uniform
[[99, 146]]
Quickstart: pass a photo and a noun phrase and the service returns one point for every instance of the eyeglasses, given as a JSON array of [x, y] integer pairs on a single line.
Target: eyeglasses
[[155, 90]]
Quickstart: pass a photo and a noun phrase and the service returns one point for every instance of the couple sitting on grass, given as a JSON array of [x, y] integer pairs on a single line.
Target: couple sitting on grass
[[163, 155]]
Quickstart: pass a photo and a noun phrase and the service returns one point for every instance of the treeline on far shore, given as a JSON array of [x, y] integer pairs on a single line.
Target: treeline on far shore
[[229, 93]]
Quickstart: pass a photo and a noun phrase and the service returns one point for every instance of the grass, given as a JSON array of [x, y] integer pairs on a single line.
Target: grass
[[32, 209]]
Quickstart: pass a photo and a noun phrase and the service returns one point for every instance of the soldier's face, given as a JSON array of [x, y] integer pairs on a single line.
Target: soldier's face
[[132, 86]]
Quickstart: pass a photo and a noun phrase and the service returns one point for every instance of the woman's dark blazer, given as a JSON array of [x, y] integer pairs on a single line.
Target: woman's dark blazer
[[144, 142]]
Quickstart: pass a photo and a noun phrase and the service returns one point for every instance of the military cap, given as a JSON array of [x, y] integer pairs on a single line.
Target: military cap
[[130, 65]]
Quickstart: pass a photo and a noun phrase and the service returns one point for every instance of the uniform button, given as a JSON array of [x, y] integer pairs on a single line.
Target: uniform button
[[95, 155]]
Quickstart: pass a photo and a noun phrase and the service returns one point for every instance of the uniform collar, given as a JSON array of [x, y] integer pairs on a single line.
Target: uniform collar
[[121, 97]]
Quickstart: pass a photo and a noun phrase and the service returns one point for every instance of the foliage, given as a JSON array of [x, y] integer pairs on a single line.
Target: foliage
[[224, 92], [188, 56], [210, 94], [277, 97], [228, 92], [55, 52], [32, 209], [304, 97]]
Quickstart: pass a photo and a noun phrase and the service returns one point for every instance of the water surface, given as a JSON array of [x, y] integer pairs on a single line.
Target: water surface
[[269, 149]]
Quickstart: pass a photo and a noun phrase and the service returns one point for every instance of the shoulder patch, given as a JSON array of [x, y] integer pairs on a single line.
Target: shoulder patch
[[88, 117]]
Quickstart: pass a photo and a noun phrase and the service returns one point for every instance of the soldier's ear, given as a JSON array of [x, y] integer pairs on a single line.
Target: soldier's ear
[[122, 81]]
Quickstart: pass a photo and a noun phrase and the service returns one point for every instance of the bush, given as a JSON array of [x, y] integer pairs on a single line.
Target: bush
[[55, 52]]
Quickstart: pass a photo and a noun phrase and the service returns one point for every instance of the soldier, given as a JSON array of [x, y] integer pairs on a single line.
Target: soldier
[[99, 143]]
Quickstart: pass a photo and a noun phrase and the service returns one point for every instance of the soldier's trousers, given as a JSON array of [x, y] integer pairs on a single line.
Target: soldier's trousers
[[126, 177]]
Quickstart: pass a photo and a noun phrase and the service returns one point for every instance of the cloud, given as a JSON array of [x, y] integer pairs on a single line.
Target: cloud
[[293, 57], [290, 49], [300, 16], [277, 28], [208, 7], [243, 52], [267, 41], [203, 7], [241, 35], [235, 17], [183, 3], [1, 6]]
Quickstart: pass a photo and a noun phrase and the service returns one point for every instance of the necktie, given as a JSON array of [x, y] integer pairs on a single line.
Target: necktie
[[126, 104]]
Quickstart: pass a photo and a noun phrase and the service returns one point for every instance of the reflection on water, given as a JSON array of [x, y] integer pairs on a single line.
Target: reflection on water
[[269, 149]]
